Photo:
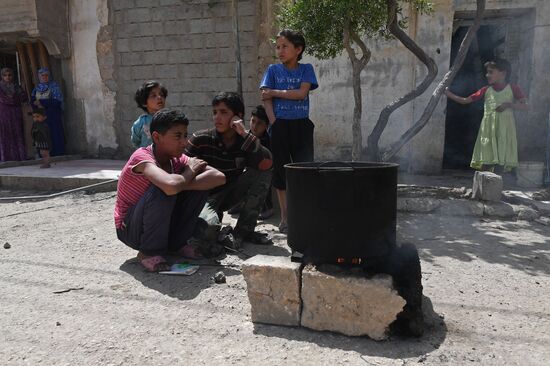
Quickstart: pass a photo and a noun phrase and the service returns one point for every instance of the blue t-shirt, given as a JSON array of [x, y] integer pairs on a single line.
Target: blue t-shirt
[[278, 77]]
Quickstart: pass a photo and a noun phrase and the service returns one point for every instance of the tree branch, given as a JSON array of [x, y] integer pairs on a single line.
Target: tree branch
[[393, 25], [447, 79]]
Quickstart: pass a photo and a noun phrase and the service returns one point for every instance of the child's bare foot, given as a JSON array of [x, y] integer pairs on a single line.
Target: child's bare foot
[[45, 166], [155, 263]]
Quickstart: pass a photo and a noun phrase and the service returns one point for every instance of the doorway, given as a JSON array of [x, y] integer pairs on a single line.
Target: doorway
[[505, 34]]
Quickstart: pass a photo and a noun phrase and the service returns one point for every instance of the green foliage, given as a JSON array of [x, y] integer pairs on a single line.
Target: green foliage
[[322, 21]]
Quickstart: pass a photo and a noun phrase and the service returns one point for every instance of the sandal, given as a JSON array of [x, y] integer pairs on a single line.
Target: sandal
[[155, 263], [258, 238], [190, 252]]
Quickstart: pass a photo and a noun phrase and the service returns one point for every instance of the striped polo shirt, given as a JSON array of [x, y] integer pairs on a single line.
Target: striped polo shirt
[[245, 152], [132, 186]]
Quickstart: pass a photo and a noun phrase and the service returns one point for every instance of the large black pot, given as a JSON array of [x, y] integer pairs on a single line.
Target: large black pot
[[342, 212]]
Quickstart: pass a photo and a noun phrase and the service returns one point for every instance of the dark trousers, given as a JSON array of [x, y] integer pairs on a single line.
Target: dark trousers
[[291, 142], [159, 224], [250, 188]]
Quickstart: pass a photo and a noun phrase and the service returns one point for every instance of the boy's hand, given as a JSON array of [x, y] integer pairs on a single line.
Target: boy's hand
[[197, 166], [238, 125], [267, 94], [503, 107]]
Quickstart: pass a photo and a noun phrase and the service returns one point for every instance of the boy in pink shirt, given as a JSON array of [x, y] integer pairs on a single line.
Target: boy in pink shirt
[[161, 192]]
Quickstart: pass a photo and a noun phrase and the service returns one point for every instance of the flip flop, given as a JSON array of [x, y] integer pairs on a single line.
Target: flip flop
[[154, 263]]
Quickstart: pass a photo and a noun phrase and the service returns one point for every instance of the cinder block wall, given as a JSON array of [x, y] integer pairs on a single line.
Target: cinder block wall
[[189, 46]]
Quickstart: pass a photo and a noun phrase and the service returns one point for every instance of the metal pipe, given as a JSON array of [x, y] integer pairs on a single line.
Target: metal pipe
[[48, 196], [238, 72]]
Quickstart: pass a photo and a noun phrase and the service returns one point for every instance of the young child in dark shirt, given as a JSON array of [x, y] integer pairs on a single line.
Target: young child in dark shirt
[[259, 123], [41, 136]]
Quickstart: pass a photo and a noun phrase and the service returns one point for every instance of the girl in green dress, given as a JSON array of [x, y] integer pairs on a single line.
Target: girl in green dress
[[496, 144]]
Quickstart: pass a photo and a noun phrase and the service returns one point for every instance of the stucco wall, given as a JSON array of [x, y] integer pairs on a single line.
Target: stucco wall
[[391, 73], [93, 101]]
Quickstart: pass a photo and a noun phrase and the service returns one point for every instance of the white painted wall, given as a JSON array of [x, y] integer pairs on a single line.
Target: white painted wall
[[86, 18]]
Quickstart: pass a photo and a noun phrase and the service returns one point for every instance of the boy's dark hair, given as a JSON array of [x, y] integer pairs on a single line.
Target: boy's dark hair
[[143, 92], [232, 100], [294, 37], [38, 110], [167, 118], [259, 112], [501, 65]]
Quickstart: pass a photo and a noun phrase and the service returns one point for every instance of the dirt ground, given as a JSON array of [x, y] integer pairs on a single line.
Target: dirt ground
[[71, 294]]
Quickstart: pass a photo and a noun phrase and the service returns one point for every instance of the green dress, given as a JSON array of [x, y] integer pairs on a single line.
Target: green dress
[[496, 142]]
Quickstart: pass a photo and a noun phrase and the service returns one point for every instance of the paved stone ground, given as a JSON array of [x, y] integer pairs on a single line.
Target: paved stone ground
[[73, 295]]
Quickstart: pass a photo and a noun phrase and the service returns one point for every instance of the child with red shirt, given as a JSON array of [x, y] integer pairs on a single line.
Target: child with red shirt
[[161, 192], [496, 144]]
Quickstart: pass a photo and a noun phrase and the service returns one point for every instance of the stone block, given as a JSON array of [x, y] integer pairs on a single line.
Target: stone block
[[527, 213], [487, 186], [499, 209], [273, 285], [423, 205], [461, 208], [337, 300]]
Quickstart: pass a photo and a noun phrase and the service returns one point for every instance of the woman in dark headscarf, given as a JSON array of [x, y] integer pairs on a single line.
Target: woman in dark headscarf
[[12, 145], [47, 95]]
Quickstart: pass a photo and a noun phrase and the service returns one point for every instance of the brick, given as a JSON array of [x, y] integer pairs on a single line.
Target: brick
[[167, 42], [346, 302], [145, 3], [273, 285], [139, 15], [142, 44], [248, 23], [166, 71], [131, 58], [123, 4], [122, 45], [142, 72], [224, 24], [163, 14], [176, 27], [204, 25], [154, 57], [178, 56]]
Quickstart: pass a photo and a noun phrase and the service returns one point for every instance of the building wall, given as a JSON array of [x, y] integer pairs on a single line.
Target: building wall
[[90, 116], [189, 46], [393, 71]]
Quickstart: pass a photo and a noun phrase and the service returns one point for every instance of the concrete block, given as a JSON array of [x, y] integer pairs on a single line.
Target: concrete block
[[142, 44], [139, 15], [273, 285], [487, 186], [201, 25], [337, 300]]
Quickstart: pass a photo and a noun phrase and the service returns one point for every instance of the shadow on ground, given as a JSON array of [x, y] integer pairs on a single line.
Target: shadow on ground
[[519, 245], [395, 347], [180, 287]]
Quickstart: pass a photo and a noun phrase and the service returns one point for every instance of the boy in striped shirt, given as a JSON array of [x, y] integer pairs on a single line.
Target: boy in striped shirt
[[246, 164], [161, 192]]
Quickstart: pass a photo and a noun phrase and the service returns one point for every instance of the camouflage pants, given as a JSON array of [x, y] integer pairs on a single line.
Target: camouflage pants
[[250, 188]]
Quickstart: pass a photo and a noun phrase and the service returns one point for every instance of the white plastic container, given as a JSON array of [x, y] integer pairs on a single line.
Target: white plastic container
[[530, 174]]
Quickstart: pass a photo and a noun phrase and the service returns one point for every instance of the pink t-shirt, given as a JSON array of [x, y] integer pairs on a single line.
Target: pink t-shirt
[[132, 186]]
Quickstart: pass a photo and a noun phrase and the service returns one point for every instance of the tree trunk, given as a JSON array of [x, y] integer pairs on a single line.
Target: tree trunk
[[357, 145], [436, 95], [357, 65], [373, 152]]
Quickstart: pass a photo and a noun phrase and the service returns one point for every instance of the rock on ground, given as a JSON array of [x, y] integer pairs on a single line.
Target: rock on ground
[[351, 304], [273, 285]]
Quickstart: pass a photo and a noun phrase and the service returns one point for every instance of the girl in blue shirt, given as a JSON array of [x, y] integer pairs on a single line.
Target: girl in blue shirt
[[151, 97], [285, 89]]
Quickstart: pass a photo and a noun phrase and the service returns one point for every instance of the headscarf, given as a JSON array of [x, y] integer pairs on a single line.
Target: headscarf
[[52, 85], [7, 88]]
